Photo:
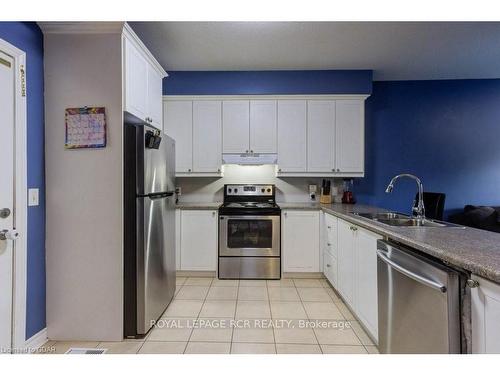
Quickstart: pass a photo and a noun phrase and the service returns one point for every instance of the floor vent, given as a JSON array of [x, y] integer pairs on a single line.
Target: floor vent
[[86, 351]]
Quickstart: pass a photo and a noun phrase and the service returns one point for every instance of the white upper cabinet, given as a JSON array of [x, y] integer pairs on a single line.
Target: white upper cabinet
[[155, 97], [311, 136], [292, 133], [263, 126], [321, 136], [235, 126], [349, 136], [178, 117], [136, 84], [207, 136], [143, 81]]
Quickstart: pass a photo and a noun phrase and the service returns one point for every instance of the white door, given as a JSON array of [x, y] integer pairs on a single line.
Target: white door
[[292, 135], [178, 124], [6, 196], [155, 107], [300, 241], [349, 137], [199, 240], [366, 301], [345, 260], [320, 135], [263, 126], [136, 84], [235, 126], [207, 135]]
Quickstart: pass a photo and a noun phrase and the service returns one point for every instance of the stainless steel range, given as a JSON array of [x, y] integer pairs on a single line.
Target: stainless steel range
[[249, 233]]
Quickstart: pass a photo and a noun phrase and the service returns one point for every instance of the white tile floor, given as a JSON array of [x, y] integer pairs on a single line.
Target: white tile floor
[[293, 316]]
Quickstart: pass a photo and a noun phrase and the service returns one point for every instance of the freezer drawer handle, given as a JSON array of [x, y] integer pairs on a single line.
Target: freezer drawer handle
[[414, 276]]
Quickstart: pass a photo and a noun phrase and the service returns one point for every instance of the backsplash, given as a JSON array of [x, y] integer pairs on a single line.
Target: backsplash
[[210, 189]]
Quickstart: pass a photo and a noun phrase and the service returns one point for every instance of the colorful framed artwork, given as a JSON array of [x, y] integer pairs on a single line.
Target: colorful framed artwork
[[85, 128]]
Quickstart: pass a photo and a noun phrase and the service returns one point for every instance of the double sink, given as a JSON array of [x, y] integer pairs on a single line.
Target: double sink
[[396, 219]]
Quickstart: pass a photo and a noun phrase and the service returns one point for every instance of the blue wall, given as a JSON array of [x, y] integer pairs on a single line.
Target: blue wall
[[28, 37], [268, 82], [446, 132]]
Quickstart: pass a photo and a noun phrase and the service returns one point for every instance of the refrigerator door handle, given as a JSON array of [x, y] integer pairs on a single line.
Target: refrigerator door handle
[[414, 276], [160, 195]]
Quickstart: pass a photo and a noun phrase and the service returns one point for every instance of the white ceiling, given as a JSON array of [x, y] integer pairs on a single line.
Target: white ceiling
[[395, 51]]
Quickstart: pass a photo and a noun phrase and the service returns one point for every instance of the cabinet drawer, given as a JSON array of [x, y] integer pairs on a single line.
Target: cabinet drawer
[[331, 234], [330, 268], [331, 247]]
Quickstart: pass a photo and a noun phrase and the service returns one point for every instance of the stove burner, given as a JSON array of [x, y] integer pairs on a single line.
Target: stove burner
[[249, 200]]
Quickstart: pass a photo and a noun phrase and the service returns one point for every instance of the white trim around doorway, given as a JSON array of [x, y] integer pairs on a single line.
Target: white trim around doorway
[[19, 341]]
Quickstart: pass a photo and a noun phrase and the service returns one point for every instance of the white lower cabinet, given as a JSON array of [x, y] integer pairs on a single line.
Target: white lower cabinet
[[357, 272], [485, 306], [300, 240], [365, 282], [330, 248], [346, 261], [198, 240], [178, 239]]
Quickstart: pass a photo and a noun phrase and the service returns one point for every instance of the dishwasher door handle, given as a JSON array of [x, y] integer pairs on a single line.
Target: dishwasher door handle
[[414, 276]]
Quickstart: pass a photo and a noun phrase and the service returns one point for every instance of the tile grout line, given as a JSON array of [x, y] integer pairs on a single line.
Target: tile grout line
[[235, 308], [308, 319], [347, 318], [198, 316], [271, 314], [173, 298]]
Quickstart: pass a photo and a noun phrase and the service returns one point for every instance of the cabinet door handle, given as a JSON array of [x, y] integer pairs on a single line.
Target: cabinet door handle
[[213, 213], [328, 265], [472, 283], [329, 227], [329, 244], [285, 213], [189, 170]]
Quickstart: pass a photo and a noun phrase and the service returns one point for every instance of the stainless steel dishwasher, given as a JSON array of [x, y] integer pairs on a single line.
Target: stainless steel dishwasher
[[418, 303]]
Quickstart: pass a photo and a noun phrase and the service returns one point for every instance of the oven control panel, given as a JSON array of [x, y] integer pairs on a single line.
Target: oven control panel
[[249, 190]]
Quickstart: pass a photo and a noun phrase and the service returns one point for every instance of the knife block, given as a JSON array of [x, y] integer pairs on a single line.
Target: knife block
[[325, 198]]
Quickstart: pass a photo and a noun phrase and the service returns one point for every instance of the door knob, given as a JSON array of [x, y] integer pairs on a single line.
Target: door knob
[[9, 235], [4, 213]]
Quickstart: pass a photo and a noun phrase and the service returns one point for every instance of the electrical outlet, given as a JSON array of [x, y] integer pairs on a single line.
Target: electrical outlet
[[33, 197]]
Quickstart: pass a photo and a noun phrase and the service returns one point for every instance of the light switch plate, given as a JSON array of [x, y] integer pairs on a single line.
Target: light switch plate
[[33, 197]]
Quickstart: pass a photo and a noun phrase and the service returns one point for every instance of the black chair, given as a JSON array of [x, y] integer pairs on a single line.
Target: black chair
[[434, 205]]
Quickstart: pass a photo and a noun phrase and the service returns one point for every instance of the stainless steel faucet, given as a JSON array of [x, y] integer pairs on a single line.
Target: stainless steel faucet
[[419, 210]]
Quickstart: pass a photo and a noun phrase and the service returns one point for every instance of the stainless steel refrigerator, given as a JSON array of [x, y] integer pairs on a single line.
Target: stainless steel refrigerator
[[149, 227]]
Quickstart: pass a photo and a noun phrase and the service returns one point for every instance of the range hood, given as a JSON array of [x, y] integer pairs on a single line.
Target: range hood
[[249, 159]]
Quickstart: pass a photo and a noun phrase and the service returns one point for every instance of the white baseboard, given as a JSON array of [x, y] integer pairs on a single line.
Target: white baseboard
[[35, 342]]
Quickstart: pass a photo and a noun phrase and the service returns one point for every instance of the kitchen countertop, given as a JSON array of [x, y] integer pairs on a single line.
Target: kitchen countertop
[[474, 250], [198, 205]]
